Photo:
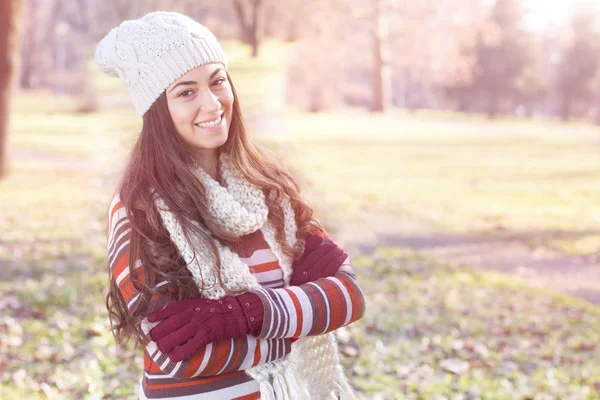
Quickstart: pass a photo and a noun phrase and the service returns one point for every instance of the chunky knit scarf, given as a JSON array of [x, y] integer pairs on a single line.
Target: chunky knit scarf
[[312, 370]]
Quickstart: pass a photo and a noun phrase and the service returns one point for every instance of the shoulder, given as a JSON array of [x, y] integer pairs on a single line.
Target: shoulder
[[314, 227], [116, 213]]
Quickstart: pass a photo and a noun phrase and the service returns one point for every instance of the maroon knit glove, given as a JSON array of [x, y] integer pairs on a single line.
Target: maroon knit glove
[[321, 258], [194, 323]]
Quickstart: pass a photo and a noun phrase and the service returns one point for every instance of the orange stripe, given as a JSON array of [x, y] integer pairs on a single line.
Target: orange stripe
[[336, 304], [319, 307], [222, 351], [265, 267], [237, 354], [257, 354], [117, 206], [194, 363], [356, 298]]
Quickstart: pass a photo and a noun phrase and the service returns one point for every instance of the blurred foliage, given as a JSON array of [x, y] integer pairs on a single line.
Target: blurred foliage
[[476, 55]]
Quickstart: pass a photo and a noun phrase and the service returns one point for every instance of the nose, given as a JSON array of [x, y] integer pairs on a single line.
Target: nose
[[209, 102]]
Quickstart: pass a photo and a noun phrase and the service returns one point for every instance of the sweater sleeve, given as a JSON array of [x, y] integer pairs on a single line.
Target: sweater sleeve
[[313, 308], [214, 359]]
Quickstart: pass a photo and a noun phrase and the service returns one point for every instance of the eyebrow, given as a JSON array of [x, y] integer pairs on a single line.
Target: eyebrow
[[183, 83]]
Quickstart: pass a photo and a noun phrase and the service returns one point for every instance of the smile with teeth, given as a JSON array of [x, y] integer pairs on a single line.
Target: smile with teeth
[[211, 123]]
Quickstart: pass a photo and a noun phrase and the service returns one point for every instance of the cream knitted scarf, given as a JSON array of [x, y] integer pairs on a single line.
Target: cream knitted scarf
[[312, 370]]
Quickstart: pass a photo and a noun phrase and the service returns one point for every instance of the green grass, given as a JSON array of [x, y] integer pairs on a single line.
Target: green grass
[[464, 177], [432, 330]]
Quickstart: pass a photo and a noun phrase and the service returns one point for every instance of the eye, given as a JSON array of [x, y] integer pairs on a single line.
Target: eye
[[219, 82], [186, 93]]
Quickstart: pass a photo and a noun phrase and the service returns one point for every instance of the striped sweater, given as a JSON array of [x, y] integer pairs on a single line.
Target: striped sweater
[[217, 370]]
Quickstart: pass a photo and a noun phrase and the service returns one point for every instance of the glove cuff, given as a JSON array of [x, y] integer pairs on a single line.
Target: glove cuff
[[254, 310]]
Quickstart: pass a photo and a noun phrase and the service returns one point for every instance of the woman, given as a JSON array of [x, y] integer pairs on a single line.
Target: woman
[[216, 263]]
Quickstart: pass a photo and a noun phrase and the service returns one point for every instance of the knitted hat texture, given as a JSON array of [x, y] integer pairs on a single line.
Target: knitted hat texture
[[152, 52]]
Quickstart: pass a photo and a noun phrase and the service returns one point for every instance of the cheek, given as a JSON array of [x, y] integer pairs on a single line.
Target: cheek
[[227, 98], [181, 115]]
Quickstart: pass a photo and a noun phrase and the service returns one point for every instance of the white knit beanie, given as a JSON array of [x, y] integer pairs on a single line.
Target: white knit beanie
[[152, 52]]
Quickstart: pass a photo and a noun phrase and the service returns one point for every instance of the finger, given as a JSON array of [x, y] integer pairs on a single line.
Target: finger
[[318, 253], [169, 325], [169, 310], [334, 266], [188, 349], [321, 264], [311, 243], [176, 338], [326, 258]]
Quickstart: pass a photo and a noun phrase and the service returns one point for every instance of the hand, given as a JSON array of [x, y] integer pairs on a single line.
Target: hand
[[194, 323], [321, 258]]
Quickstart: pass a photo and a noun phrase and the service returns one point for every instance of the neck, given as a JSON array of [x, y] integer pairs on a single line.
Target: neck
[[209, 162]]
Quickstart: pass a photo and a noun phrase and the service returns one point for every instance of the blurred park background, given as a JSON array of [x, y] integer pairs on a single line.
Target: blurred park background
[[451, 146]]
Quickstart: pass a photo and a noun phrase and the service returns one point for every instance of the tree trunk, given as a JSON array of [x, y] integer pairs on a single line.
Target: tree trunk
[[382, 73], [251, 30], [566, 109], [256, 26], [9, 25], [493, 106]]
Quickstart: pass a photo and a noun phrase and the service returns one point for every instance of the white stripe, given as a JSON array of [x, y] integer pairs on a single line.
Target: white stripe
[[270, 306], [269, 276], [347, 268], [111, 258], [346, 298], [111, 235], [260, 257], [221, 394], [120, 214], [264, 351], [157, 376], [307, 315], [278, 350], [274, 285], [114, 201], [278, 314], [247, 363], [122, 275], [231, 350], [162, 283], [155, 354], [292, 320], [168, 363], [207, 354], [133, 300]]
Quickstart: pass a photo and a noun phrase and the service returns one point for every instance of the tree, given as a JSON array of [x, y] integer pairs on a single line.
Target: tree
[[250, 17], [9, 35], [382, 73], [417, 40], [580, 61], [433, 45], [503, 61]]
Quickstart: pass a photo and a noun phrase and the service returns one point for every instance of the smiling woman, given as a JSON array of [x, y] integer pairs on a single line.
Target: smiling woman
[[201, 104], [216, 263]]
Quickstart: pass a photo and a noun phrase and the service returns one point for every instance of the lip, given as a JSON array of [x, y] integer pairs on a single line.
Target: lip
[[212, 128]]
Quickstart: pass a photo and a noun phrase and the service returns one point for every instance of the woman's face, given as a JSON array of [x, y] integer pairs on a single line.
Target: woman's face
[[200, 103]]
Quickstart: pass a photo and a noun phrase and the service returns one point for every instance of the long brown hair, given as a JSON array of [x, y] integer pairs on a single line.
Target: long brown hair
[[159, 160]]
